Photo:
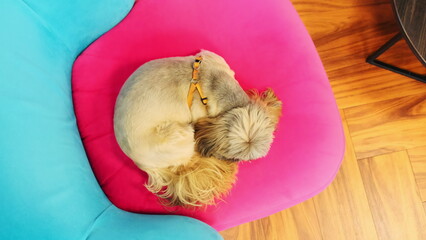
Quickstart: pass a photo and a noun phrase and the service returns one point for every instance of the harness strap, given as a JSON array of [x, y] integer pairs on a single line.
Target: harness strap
[[195, 85]]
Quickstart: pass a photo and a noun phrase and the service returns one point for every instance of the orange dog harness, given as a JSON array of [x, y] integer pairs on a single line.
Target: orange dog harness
[[194, 83]]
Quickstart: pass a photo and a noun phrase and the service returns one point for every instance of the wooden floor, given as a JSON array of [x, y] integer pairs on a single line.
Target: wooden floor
[[380, 191]]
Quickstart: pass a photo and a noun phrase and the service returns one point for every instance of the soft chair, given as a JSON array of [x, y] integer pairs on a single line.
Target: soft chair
[[267, 45]]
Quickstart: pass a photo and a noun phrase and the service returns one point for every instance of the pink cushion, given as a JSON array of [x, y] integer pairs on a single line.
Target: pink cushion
[[267, 45]]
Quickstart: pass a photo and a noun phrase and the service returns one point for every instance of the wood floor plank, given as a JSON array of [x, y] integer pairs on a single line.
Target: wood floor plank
[[418, 163], [424, 206], [391, 190], [374, 85], [300, 222], [342, 209], [388, 126], [296, 223]]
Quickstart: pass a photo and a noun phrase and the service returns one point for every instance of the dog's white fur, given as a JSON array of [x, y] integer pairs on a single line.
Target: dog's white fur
[[155, 128]]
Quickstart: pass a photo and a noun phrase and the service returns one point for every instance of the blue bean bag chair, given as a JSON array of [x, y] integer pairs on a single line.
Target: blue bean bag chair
[[48, 190]]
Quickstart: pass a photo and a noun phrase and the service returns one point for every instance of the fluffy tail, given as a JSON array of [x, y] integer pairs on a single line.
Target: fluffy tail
[[197, 183]]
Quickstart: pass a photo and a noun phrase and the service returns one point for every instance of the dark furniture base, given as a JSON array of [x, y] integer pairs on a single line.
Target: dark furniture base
[[372, 59]]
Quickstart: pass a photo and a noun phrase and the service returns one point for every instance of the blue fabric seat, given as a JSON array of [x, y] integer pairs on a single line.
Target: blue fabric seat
[[47, 188]]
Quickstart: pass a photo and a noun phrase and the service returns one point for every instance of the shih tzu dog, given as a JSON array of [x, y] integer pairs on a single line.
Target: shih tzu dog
[[190, 147]]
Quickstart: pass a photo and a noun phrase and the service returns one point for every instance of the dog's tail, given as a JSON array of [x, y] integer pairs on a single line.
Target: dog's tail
[[197, 183], [242, 133]]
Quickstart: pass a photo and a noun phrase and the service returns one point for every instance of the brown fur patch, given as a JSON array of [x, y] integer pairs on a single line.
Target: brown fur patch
[[270, 102]]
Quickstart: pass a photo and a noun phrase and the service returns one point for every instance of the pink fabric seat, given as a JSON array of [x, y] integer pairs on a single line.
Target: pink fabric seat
[[266, 44]]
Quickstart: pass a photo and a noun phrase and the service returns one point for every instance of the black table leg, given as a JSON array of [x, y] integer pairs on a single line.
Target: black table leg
[[372, 59]]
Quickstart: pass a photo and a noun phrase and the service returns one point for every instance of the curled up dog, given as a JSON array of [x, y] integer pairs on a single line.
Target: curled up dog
[[189, 147]]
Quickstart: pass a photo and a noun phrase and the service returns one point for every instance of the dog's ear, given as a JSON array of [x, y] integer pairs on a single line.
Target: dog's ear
[[273, 105], [210, 136], [269, 101]]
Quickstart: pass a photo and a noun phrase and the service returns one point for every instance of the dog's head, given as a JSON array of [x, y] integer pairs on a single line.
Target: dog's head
[[242, 133]]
